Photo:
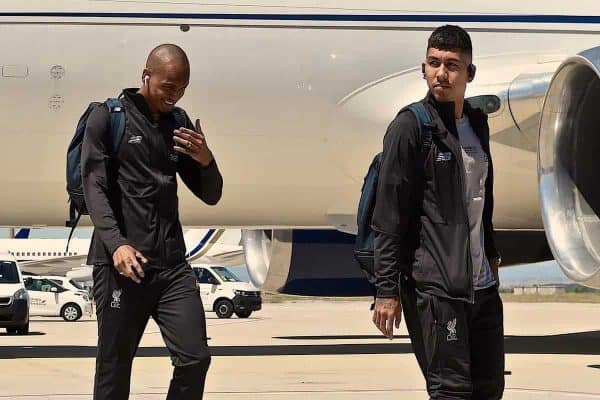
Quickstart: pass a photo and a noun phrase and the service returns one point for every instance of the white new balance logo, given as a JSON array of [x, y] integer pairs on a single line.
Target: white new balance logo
[[135, 140], [443, 156], [451, 331]]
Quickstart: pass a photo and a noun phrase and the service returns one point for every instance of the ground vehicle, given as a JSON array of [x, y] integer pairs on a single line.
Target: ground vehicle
[[224, 293], [14, 299], [50, 299]]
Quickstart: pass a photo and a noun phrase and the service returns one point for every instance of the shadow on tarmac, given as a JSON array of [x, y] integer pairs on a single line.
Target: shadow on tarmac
[[62, 321], [581, 343], [338, 337], [29, 334]]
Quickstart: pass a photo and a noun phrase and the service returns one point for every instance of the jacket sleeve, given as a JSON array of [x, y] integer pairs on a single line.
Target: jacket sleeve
[[95, 160], [491, 251], [205, 182], [393, 206]]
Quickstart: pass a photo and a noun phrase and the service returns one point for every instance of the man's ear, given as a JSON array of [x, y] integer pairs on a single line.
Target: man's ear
[[423, 69], [145, 75]]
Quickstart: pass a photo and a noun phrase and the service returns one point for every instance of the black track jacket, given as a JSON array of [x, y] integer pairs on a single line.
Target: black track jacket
[[420, 218], [132, 198]]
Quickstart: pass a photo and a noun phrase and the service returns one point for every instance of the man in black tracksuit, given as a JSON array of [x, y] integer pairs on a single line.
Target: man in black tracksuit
[[137, 248], [435, 255]]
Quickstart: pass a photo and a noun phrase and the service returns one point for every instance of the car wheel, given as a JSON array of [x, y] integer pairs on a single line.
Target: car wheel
[[23, 330], [71, 312], [243, 314], [224, 308]]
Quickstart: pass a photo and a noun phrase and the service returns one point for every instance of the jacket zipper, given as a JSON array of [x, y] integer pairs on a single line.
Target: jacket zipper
[[161, 239], [465, 211]]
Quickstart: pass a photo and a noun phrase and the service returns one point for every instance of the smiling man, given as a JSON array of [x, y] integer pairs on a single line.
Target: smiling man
[[435, 257], [137, 248]]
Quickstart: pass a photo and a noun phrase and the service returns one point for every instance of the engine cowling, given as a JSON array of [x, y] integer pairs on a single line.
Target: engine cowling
[[569, 153], [312, 262]]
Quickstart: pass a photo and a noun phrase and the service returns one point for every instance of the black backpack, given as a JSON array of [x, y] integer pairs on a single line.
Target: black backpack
[[364, 246], [77, 206]]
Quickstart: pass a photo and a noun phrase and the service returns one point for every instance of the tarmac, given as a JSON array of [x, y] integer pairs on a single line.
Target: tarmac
[[310, 350]]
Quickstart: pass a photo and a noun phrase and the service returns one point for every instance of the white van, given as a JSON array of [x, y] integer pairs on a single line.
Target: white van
[[224, 293], [49, 299], [14, 299]]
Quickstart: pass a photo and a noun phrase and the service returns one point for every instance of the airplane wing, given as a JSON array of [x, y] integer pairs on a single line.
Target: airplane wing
[[54, 266], [225, 257]]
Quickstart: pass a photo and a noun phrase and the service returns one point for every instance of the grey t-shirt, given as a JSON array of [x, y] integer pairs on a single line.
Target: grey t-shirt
[[476, 168]]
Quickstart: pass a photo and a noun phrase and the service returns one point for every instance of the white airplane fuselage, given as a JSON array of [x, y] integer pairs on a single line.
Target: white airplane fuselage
[[44, 249], [202, 246], [294, 99]]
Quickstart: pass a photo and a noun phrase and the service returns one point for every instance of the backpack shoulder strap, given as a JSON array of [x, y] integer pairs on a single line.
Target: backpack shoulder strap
[[117, 129], [72, 223], [424, 120], [117, 122], [180, 117]]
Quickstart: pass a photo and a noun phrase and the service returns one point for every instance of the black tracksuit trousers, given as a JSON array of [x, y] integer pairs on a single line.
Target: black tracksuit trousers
[[459, 346], [123, 308]]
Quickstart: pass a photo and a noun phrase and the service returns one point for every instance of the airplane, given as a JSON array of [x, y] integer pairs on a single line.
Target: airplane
[[52, 257], [295, 97]]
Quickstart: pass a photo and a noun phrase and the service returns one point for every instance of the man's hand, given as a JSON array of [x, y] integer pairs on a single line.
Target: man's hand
[[495, 265], [387, 313], [193, 143], [125, 260]]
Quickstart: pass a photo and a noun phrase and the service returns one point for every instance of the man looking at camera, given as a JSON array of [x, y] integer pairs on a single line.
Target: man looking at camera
[[435, 255]]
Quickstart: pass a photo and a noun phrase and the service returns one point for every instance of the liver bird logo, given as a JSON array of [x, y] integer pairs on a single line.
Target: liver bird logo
[[451, 326]]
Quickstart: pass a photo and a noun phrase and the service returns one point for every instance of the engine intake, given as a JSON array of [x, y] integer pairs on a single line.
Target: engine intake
[[569, 153]]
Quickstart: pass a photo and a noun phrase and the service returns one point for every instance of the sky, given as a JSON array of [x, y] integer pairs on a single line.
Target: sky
[[547, 272]]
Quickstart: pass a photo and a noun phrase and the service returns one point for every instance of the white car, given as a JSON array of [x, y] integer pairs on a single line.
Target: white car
[[52, 300], [224, 293], [14, 299]]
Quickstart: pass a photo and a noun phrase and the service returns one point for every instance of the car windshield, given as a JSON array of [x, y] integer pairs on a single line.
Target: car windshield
[[226, 275], [8, 272], [78, 285]]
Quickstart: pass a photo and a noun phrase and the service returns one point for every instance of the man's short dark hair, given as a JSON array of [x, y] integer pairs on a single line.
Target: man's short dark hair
[[451, 37], [164, 53]]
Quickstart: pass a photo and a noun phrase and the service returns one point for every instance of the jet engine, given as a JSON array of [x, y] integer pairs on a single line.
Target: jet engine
[[310, 262], [569, 148]]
